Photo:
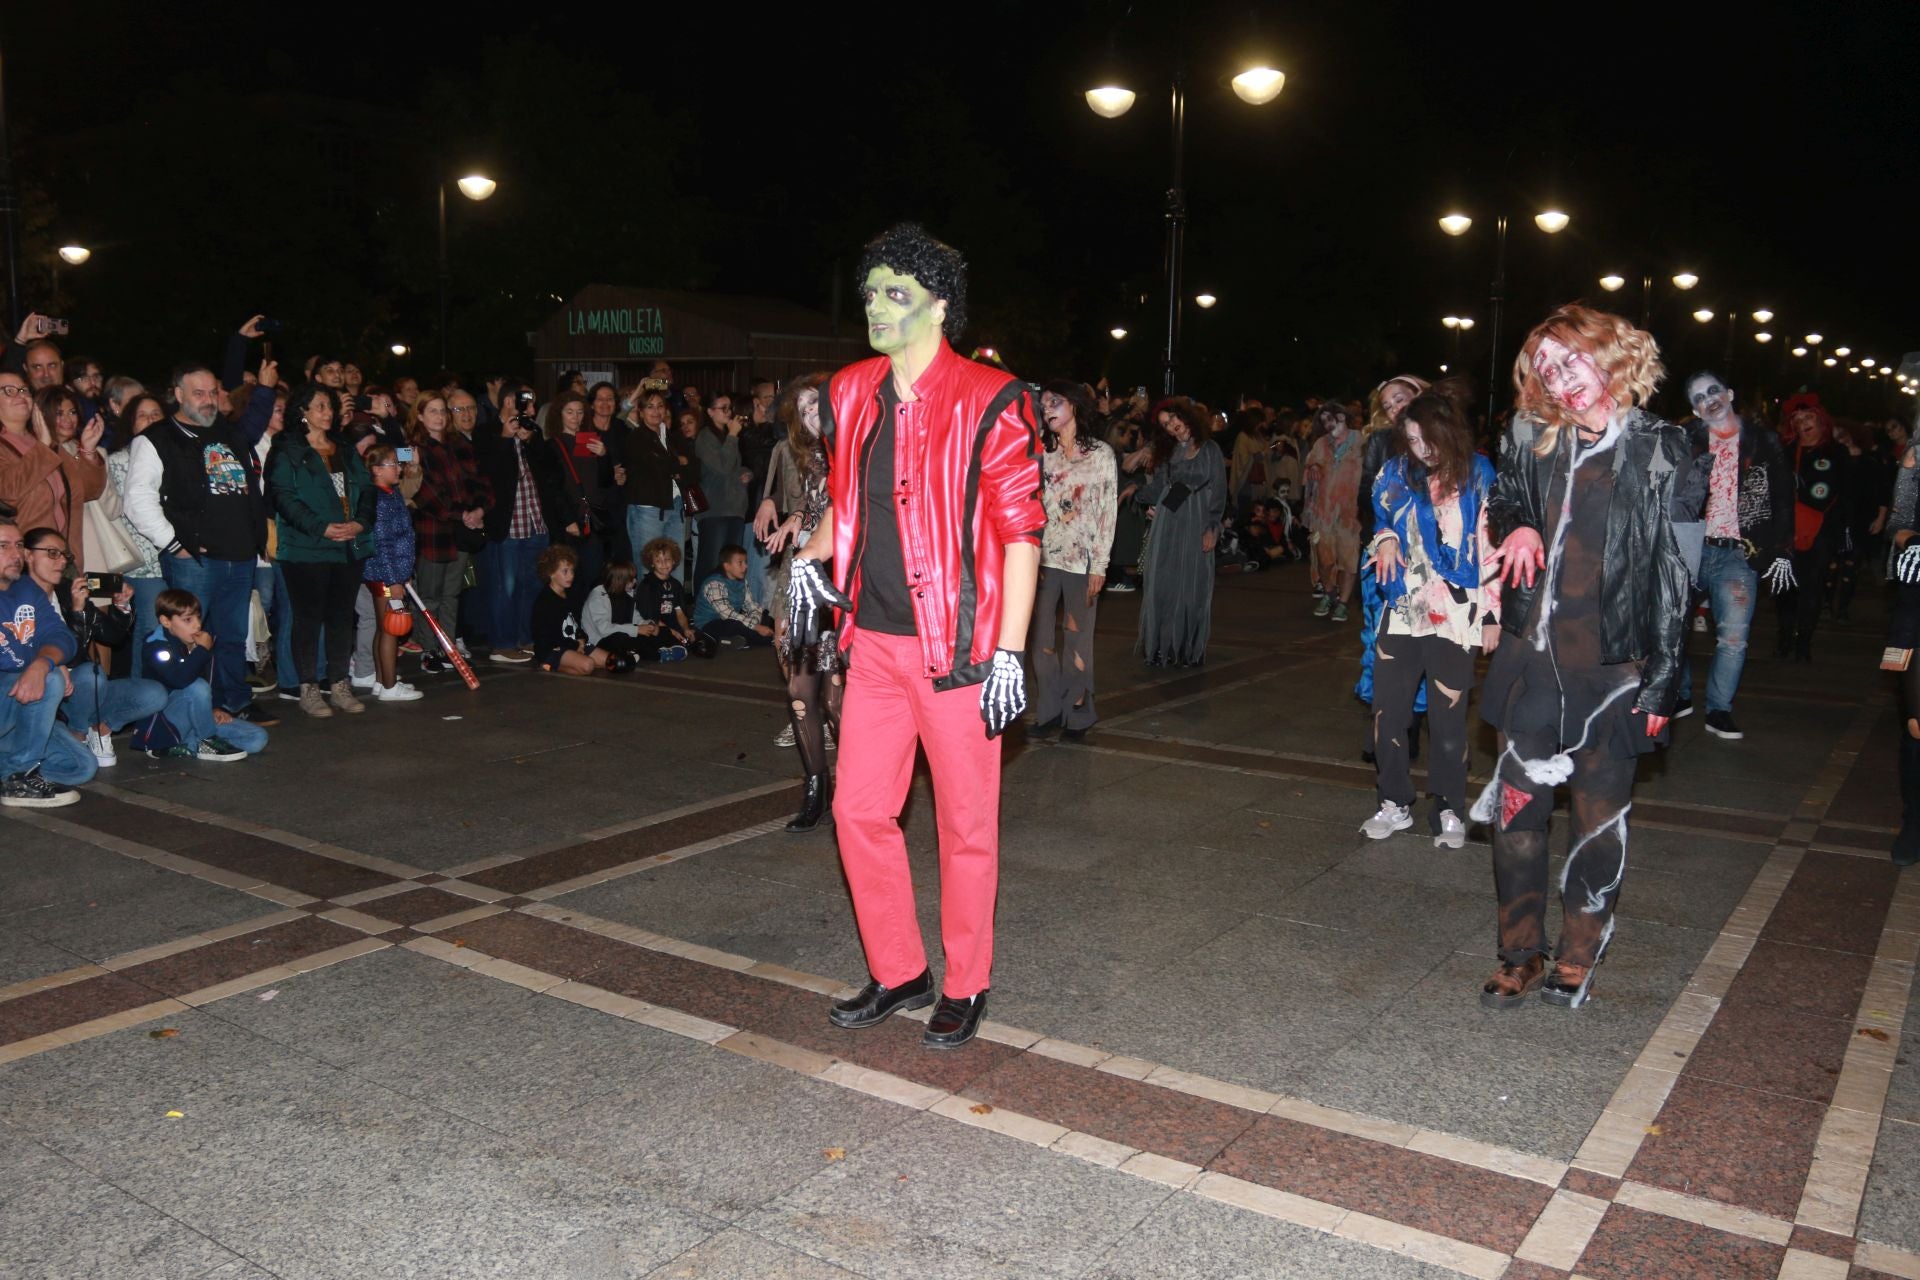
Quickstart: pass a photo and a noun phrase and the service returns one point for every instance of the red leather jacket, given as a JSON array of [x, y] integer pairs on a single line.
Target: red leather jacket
[[967, 462]]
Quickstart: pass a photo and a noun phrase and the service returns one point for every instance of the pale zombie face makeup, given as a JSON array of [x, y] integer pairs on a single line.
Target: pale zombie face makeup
[[1713, 402], [1418, 446], [1055, 409], [901, 314], [1570, 376], [1395, 397], [809, 406]]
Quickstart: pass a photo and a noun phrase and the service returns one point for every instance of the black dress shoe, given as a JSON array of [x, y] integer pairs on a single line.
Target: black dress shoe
[[954, 1022], [874, 1002]]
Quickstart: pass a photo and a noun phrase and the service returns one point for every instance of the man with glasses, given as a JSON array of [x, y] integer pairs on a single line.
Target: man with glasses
[[464, 411], [39, 761]]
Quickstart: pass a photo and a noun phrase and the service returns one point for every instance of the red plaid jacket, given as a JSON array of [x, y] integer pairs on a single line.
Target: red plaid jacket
[[450, 486]]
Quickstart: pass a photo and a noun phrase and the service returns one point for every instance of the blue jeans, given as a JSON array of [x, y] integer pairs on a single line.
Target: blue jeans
[[28, 729], [190, 712], [145, 621], [644, 524], [225, 591], [114, 703], [1733, 587], [512, 587], [756, 568]]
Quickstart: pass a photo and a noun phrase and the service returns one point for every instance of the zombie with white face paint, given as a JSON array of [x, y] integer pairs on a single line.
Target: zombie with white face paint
[[1748, 517], [1823, 499], [1594, 612], [934, 532]]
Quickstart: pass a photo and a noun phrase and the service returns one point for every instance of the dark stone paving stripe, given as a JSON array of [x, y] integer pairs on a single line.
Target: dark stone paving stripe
[[217, 962], [1199, 682], [1408, 1187], [1835, 901], [415, 906], [1741, 1123], [557, 865], [1824, 1243], [768, 692], [70, 1005], [1533, 1271], [266, 860], [1144, 1116], [1631, 1244], [1739, 1146]]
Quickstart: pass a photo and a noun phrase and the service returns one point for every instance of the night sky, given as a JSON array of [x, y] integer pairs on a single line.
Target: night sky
[[281, 158]]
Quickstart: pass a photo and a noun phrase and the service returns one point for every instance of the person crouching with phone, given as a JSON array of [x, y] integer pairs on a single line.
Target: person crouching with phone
[[388, 571]]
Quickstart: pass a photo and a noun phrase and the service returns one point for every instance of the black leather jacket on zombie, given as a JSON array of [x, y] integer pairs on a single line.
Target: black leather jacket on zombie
[[1765, 489], [1643, 578]]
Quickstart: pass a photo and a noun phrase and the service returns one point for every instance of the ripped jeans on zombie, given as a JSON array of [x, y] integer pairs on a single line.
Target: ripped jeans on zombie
[[1601, 781]]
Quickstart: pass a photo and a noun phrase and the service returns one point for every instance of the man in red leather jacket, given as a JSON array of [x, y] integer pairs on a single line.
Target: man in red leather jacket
[[934, 531]]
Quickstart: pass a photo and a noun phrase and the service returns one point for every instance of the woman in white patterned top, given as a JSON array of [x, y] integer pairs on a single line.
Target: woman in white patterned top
[[1078, 484]]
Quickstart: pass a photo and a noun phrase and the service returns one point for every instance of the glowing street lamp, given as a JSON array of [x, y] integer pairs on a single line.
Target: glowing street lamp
[[1814, 339], [1456, 224], [1843, 352], [1117, 332], [399, 348], [1829, 362], [1799, 351], [1613, 283], [1257, 86], [1552, 221], [74, 254], [1763, 337], [1886, 369], [475, 187], [1763, 316], [1685, 280], [1205, 301], [1703, 315]]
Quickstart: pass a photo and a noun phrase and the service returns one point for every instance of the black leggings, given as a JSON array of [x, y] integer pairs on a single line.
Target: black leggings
[[1799, 609], [813, 700], [1399, 663], [323, 597]]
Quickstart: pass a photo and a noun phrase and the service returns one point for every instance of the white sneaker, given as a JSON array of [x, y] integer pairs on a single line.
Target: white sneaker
[[461, 645], [367, 681], [1391, 818], [102, 747], [398, 691], [784, 738], [1452, 833]]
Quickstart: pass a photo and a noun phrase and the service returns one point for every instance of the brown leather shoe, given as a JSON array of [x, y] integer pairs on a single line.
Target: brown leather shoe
[[1512, 983]]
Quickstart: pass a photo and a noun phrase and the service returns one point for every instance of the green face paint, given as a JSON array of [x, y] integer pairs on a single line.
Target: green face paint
[[900, 313]]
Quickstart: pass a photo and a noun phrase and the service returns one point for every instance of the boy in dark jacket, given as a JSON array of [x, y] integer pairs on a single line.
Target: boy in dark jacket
[[177, 655]]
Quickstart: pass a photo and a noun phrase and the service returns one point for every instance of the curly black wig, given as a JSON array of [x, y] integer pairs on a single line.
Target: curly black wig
[[941, 271]]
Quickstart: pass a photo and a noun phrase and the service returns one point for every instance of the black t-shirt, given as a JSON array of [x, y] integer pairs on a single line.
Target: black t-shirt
[[659, 599], [555, 625], [884, 604]]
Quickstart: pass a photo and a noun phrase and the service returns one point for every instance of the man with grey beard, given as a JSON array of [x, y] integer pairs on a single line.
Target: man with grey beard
[[193, 490]]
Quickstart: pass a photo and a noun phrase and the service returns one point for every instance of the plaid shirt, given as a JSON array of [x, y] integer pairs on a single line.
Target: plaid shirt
[[450, 485], [527, 520]]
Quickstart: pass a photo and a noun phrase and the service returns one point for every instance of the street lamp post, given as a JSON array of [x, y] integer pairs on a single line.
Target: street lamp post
[[1256, 86], [1550, 221], [474, 187]]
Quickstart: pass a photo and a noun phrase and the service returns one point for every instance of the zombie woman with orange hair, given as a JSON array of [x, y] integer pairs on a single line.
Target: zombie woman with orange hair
[[1594, 610]]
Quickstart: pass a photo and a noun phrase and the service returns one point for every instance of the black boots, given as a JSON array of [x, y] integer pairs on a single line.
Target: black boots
[[816, 809], [1906, 845]]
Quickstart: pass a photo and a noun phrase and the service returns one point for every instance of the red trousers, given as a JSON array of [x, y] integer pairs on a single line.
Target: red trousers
[[890, 704]]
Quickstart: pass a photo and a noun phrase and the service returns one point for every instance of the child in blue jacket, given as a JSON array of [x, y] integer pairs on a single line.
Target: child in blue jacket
[[388, 570], [178, 655]]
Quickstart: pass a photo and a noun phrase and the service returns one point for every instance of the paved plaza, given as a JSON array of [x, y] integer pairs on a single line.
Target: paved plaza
[[528, 982]]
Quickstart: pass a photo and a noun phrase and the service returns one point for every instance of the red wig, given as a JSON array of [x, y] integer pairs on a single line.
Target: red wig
[[1808, 402]]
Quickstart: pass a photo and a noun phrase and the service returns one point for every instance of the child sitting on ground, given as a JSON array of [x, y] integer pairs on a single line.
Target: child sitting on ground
[[612, 621], [661, 597], [558, 644], [177, 655], [1267, 531], [726, 610]]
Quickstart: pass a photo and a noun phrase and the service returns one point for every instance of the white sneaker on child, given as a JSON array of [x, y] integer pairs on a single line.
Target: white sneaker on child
[[398, 691]]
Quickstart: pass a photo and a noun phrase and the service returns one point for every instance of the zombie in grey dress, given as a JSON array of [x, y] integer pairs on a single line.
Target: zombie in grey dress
[[1187, 495]]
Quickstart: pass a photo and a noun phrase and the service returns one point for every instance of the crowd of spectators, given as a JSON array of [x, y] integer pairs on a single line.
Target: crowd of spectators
[[221, 538]]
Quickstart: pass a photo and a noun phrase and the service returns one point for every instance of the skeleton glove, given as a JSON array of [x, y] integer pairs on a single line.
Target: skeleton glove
[[1004, 696], [1907, 567], [1779, 575], [809, 590]]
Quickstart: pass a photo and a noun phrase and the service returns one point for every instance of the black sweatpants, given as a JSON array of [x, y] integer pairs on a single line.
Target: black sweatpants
[[1400, 661], [323, 597]]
